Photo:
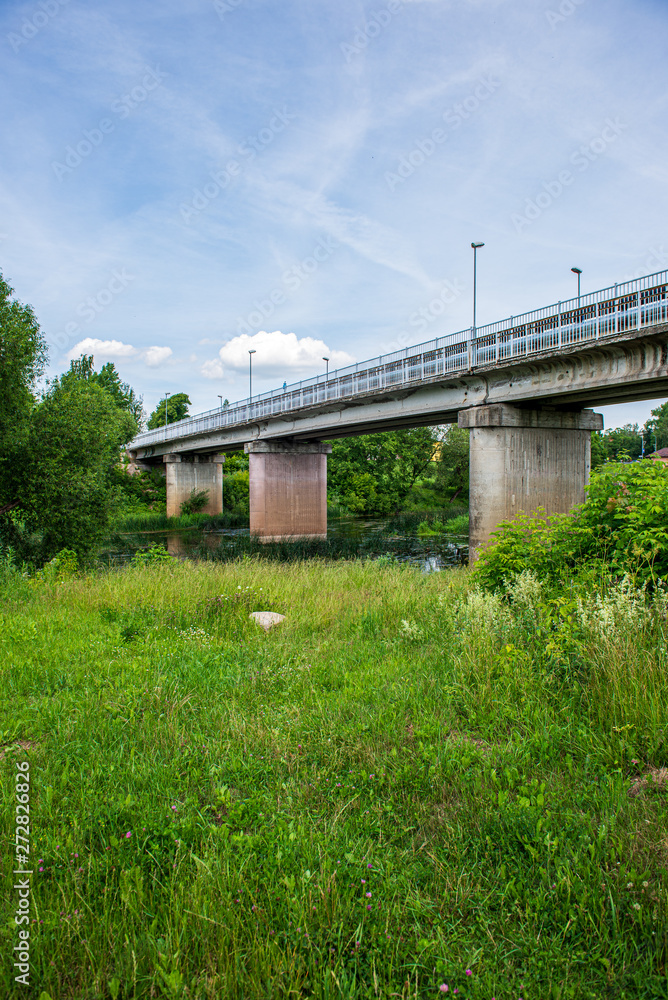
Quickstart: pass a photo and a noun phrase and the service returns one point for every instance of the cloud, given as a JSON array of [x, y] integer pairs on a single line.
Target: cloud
[[102, 349], [154, 356], [212, 369], [277, 353]]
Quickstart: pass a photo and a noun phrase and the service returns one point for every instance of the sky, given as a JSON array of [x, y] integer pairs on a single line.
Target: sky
[[184, 181]]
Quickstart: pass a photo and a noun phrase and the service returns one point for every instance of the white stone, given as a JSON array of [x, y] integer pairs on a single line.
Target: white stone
[[267, 619]]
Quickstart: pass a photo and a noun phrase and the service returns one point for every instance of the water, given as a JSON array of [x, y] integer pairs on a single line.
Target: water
[[388, 539]]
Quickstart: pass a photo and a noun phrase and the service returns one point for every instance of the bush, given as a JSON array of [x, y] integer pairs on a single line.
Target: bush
[[621, 529], [197, 501]]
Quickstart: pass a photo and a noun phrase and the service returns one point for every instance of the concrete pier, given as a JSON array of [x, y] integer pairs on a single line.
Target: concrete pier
[[185, 473], [288, 489], [523, 459]]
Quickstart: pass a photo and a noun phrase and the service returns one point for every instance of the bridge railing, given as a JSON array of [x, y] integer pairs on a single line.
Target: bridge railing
[[609, 312]]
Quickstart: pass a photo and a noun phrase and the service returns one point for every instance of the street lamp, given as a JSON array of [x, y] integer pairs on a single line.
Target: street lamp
[[326, 360], [221, 400], [475, 247], [250, 374], [578, 271], [167, 395]]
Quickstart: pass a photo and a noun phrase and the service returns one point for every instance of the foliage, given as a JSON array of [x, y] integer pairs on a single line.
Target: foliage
[[453, 467], [141, 492], [108, 379], [155, 553], [656, 429], [23, 356], [373, 474], [196, 502], [236, 484], [621, 528], [212, 804], [75, 435], [176, 409]]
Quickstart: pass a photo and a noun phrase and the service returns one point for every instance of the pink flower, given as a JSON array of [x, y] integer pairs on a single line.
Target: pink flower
[[444, 987], [368, 895], [468, 972], [128, 835], [369, 906]]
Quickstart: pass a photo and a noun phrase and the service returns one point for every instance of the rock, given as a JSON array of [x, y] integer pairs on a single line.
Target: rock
[[267, 619]]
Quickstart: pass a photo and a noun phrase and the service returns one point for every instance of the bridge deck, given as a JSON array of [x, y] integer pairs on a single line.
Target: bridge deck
[[612, 314]]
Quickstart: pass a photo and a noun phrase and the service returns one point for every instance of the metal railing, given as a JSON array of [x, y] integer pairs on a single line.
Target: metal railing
[[609, 312]]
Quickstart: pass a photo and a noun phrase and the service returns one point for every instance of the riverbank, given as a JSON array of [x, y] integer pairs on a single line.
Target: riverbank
[[408, 784]]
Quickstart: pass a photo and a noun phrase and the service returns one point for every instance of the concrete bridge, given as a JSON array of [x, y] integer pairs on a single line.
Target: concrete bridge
[[523, 386]]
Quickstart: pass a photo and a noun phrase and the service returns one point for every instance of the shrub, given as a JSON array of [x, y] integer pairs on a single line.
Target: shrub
[[620, 529], [197, 501]]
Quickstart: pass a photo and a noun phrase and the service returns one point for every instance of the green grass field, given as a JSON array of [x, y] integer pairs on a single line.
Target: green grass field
[[408, 785]]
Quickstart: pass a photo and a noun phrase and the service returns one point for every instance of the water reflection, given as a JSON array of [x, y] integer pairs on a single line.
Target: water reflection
[[366, 537]]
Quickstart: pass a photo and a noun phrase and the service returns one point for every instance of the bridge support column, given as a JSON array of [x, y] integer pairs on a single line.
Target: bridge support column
[[288, 489], [522, 460], [185, 473]]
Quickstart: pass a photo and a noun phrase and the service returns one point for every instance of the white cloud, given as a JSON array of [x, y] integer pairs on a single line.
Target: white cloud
[[212, 369], [154, 356], [278, 353], [102, 349]]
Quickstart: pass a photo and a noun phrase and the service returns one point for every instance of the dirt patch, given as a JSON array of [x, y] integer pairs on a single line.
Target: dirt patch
[[655, 780], [15, 745]]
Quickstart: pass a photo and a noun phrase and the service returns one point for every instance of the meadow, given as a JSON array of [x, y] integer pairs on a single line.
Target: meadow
[[411, 788]]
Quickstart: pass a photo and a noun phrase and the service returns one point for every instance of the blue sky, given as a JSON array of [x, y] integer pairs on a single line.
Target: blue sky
[[183, 180]]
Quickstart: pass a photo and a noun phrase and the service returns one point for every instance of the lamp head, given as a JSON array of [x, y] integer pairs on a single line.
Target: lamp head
[[252, 352], [325, 359], [476, 246], [576, 270]]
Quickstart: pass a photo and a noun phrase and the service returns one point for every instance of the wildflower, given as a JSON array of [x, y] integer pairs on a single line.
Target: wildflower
[[368, 895], [629, 885], [645, 885], [468, 972], [444, 987], [369, 906], [128, 835], [636, 906]]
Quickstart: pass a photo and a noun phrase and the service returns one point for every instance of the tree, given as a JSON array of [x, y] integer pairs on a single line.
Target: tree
[[75, 437], [656, 430], [176, 409], [107, 378], [374, 473], [598, 453], [623, 442], [23, 356], [453, 469]]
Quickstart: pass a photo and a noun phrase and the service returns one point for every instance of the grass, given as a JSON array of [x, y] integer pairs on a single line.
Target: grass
[[158, 521], [408, 784]]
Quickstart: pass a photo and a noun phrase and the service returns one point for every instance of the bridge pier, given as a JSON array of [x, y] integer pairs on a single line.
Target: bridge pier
[[288, 489], [523, 459], [185, 473]]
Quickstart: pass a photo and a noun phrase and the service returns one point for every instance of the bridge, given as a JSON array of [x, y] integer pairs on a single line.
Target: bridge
[[523, 386]]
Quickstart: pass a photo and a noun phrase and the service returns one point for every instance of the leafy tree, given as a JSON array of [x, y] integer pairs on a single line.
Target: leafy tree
[[374, 473], [23, 356], [177, 409], [75, 436], [656, 429], [453, 468], [108, 379], [623, 443], [599, 454]]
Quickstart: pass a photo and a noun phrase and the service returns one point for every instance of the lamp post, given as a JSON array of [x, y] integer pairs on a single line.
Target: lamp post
[[250, 375], [221, 400], [167, 395], [475, 247], [326, 360], [578, 271]]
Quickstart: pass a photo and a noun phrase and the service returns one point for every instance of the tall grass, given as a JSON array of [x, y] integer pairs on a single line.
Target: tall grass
[[408, 784]]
